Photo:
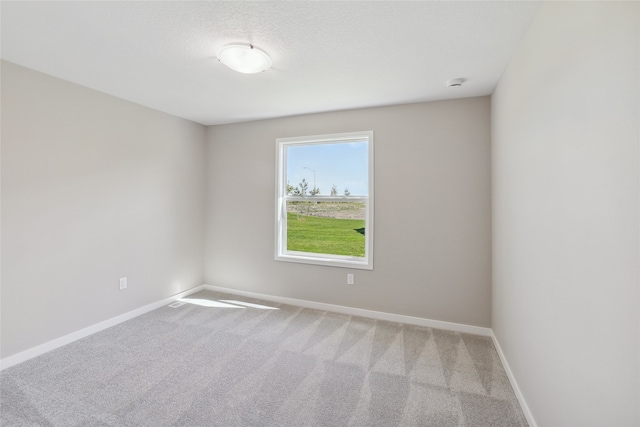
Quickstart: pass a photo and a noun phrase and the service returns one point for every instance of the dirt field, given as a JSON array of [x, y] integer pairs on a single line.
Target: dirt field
[[343, 210]]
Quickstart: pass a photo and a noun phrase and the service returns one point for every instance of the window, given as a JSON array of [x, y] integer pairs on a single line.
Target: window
[[324, 209]]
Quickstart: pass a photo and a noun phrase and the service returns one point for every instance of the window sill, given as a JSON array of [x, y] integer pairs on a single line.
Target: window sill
[[328, 260]]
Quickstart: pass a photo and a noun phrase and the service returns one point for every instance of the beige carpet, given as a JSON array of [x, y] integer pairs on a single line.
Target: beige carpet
[[230, 361]]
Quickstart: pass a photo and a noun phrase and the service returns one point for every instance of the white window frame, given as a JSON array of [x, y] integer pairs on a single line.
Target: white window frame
[[281, 252]]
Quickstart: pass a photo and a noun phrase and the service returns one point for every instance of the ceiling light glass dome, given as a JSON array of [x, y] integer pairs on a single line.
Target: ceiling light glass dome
[[245, 59]]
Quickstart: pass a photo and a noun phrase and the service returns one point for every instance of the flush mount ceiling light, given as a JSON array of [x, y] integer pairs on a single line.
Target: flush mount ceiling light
[[245, 59]]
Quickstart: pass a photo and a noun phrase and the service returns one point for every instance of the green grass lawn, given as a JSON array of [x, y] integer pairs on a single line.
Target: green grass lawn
[[325, 235]]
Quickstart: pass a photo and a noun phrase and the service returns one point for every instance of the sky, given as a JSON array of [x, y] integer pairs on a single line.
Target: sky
[[343, 164]]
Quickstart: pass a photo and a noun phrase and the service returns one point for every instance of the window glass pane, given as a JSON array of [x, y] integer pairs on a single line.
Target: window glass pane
[[331, 168], [326, 227]]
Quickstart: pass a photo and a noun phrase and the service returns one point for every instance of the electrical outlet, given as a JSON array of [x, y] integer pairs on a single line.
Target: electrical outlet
[[350, 280], [123, 283]]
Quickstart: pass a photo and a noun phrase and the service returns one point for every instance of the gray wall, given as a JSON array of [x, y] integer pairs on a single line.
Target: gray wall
[[565, 214], [432, 211], [94, 188]]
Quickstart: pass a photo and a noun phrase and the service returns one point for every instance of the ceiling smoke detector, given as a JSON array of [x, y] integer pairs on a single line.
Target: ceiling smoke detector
[[455, 83], [246, 59]]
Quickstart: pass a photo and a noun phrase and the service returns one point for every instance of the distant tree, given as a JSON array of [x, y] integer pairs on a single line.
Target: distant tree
[[289, 188], [334, 190], [347, 192], [301, 190]]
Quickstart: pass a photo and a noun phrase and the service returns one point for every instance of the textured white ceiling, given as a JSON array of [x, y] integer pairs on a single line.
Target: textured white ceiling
[[326, 55]]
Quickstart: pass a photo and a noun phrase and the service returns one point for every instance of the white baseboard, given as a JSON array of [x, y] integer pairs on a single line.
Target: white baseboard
[[514, 384], [74, 336], [438, 324]]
